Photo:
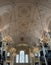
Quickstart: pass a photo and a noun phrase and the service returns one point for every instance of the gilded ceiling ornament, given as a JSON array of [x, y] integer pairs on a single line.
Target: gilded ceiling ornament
[[45, 37], [7, 39], [12, 50]]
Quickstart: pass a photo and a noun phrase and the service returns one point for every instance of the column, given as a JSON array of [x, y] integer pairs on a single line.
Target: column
[[44, 53]]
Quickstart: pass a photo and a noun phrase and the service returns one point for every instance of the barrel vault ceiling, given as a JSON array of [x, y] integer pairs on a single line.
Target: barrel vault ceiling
[[25, 20]]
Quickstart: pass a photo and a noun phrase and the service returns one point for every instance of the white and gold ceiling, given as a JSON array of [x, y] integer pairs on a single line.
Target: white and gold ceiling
[[25, 20]]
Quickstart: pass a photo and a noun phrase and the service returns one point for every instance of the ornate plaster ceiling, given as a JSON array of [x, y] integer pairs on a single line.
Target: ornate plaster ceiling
[[26, 19]]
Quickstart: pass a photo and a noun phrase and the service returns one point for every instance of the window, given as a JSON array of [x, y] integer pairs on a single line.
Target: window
[[22, 57], [17, 58], [8, 55], [26, 56], [36, 55]]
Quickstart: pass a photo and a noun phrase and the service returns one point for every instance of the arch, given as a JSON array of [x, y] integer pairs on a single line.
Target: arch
[[22, 55], [48, 21]]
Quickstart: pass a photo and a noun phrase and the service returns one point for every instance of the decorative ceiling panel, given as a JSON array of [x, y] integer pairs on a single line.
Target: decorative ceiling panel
[[26, 20]]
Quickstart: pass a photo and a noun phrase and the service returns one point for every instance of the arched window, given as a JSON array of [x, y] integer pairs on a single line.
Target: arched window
[[26, 58], [21, 56]]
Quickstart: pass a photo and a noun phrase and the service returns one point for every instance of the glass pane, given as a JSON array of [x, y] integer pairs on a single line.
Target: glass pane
[[26, 58], [21, 56], [17, 58]]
